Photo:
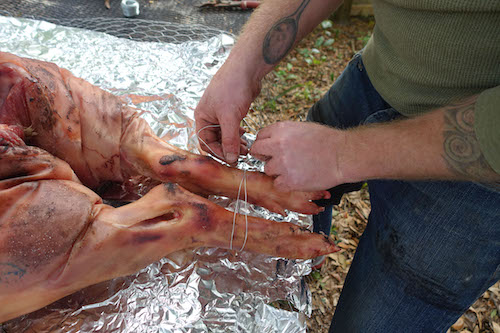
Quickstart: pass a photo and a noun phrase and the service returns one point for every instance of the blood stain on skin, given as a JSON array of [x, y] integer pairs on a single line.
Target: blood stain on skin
[[168, 159], [146, 237], [203, 221]]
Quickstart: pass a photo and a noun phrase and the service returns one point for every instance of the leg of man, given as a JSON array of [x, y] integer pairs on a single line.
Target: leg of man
[[429, 251]]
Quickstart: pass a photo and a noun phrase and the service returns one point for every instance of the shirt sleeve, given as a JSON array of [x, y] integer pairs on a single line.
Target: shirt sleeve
[[487, 125]]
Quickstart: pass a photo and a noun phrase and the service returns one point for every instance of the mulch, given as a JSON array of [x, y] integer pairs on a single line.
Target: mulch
[[287, 94]]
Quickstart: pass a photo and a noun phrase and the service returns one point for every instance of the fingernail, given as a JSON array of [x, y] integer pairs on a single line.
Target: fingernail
[[231, 157]]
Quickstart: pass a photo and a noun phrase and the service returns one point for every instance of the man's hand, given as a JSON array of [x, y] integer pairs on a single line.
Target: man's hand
[[302, 156], [225, 103]]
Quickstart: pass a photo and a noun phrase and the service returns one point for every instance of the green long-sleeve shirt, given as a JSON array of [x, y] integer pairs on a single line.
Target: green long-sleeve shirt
[[428, 53]]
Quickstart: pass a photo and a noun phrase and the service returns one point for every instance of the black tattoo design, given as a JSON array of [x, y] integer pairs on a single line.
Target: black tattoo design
[[281, 37], [462, 152]]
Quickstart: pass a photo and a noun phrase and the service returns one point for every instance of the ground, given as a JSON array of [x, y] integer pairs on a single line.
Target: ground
[[287, 93]]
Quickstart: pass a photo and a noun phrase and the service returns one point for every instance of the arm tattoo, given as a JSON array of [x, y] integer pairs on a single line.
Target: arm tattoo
[[281, 37], [462, 152]]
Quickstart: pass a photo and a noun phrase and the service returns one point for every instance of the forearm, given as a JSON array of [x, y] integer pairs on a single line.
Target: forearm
[[273, 30], [439, 145]]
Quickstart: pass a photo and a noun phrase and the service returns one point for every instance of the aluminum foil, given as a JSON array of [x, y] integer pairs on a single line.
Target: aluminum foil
[[206, 290]]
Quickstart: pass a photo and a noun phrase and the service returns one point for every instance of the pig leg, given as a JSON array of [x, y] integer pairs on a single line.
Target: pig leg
[[148, 155], [96, 133], [20, 163], [101, 242], [120, 241]]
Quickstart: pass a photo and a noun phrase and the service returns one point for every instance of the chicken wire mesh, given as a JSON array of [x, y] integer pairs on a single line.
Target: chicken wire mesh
[[169, 21], [137, 29]]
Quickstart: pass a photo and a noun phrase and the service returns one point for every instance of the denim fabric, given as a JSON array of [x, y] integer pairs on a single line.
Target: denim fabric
[[430, 249]]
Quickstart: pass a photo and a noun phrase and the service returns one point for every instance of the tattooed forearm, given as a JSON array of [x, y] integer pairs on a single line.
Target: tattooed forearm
[[462, 152], [281, 37]]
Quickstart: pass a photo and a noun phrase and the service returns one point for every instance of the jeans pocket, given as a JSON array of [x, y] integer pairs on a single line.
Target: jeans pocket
[[357, 61]]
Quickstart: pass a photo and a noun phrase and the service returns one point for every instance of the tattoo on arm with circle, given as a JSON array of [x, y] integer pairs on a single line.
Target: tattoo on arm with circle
[[462, 151], [281, 37]]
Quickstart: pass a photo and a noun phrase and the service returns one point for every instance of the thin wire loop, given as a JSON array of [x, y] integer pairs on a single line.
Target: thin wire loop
[[203, 141], [243, 183]]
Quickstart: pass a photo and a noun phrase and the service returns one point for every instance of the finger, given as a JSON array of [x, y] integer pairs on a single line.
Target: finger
[[262, 158], [272, 168], [242, 131], [205, 128], [243, 146], [214, 149], [267, 132], [209, 138], [230, 139], [243, 149], [243, 141], [263, 148]]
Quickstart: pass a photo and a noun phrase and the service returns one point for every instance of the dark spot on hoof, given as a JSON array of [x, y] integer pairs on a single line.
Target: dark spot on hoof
[[168, 159], [171, 187], [146, 237]]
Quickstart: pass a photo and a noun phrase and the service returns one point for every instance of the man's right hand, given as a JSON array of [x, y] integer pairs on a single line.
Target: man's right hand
[[225, 103]]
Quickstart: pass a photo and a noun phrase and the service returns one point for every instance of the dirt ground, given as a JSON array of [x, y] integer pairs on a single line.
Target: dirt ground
[[287, 93]]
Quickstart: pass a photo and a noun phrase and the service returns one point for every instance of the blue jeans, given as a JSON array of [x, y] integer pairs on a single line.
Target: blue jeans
[[430, 249]]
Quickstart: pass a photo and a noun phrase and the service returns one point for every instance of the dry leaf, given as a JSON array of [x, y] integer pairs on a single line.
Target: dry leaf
[[459, 324], [345, 246]]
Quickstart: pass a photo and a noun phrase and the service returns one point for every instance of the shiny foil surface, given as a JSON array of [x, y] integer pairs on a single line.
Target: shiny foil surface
[[206, 290]]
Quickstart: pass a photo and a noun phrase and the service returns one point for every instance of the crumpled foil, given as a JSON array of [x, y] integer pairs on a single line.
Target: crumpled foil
[[206, 290]]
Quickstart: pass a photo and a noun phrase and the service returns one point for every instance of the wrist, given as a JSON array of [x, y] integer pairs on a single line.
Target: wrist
[[249, 66], [373, 152], [350, 166]]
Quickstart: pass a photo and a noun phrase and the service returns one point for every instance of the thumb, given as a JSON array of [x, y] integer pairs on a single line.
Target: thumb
[[230, 133]]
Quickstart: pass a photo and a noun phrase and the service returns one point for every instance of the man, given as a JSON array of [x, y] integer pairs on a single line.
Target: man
[[418, 116]]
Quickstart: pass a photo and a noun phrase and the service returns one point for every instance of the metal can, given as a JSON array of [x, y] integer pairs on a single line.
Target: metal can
[[130, 8]]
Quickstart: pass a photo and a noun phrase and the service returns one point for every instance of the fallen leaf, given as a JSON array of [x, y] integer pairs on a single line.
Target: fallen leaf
[[459, 324]]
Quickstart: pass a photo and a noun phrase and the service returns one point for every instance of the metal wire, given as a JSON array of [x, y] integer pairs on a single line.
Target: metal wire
[[184, 19]]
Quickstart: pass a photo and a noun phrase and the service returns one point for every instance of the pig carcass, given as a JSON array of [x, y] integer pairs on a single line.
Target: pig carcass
[[61, 139]]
